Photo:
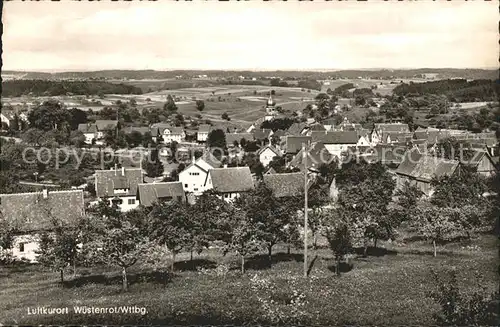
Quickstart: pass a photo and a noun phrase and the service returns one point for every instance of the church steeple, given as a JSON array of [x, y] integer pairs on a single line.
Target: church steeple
[[270, 101]]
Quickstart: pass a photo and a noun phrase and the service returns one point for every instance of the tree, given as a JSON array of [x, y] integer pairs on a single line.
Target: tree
[[50, 115], [117, 239], [6, 233], [152, 164], [434, 223], [168, 226], [216, 139], [77, 138], [407, 199], [169, 107], [338, 233], [77, 116], [225, 116], [134, 139], [244, 239], [200, 105], [59, 250]]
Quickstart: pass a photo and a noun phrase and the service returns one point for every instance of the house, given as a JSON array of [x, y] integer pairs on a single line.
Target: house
[[285, 185], [143, 130], [337, 142], [262, 134], [230, 183], [166, 133], [193, 178], [296, 129], [419, 170], [31, 214], [317, 155], [380, 128], [267, 153], [119, 186], [482, 162], [391, 155], [231, 138], [149, 193], [203, 131], [94, 132], [256, 124], [294, 144]]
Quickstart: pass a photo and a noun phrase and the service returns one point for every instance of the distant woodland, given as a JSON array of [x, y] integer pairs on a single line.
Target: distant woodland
[[457, 90], [15, 88]]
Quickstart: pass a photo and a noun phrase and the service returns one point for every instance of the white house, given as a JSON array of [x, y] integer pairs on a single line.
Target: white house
[[267, 153], [167, 132], [193, 178], [203, 131], [31, 214], [94, 132], [230, 183], [119, 186]]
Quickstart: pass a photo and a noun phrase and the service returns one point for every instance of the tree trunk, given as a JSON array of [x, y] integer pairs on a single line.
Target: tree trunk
[[375, 243], [124, 279], [338, 266], [365, 250], [242, 264], [288, 249], [74, 269], [191, 256], [315, 241], [173, 261], [270, 254], [62, 276], [435, 248]]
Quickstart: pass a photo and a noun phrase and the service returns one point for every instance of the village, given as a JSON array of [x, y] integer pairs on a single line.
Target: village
[[284, 164]]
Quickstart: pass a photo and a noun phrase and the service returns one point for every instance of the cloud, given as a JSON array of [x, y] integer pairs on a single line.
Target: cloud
[[248, 35]]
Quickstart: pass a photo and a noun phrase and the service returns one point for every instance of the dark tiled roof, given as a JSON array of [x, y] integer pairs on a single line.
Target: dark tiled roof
[[394, 127], [427, 167], [231, 180], [386, 154], [210, 159], [261, 134], [106, 125], [289, 184], [294, 143], [296, 128], [108, 180], [32, 212], [335, 137], [159, 128], [317, 155], [154, 192], [231, 137], [279, 133], [87, 128], [204, 128], [409, 162], [143, 129]]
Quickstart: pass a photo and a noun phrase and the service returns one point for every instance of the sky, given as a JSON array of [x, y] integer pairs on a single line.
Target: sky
[[253, 35]]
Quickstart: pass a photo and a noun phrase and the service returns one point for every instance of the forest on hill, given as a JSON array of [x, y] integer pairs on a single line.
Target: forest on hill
[[457, 90], [38, 87]]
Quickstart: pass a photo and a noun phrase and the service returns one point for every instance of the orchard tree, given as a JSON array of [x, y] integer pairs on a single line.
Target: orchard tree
[[169, 226], [152, 164], [216, 139], [169, 107], [435, 223], [244, 237], [59, 250], [339, 235], [117, 239], [50, 115]]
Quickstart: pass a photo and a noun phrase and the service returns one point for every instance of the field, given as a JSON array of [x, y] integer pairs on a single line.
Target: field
[[388, 287]]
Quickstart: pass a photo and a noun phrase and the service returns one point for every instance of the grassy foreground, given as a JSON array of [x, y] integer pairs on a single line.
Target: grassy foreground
[[389, 287]]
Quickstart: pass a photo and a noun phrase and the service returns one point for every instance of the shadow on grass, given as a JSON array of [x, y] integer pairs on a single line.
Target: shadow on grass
[[344, 267], [374, 252], [193, 265], [261, 261], [157, 276]]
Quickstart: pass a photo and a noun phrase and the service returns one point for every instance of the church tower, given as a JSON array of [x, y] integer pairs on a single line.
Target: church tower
[[270, 108]]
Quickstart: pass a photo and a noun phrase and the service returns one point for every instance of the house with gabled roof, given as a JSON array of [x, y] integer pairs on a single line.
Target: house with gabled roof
[[267, 153], [167, 133], [381, 129], [262, 133], [317, 155], [193, 177], [294, 143], [94, 132], [481, 161], [337, 142], [237, 137], [296, 129], [202, 133], [33, 213], [420, 169], [150, 193], [119, 186], [231, 182]]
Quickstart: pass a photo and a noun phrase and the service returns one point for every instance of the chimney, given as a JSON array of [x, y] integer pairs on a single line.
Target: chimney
[[45, 193], [123, 171]]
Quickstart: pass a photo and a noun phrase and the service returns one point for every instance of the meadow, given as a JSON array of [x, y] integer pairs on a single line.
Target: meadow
[[391, 286]]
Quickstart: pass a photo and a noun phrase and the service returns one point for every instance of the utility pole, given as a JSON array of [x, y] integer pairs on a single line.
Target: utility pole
[[304, 154]]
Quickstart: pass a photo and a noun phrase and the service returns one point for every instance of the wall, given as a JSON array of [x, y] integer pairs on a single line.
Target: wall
[[193, 183]]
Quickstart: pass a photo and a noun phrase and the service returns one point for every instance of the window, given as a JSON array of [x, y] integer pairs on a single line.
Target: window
[[21, 247], [195, 189], [131, 201], [185, 185], [226, 195]]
